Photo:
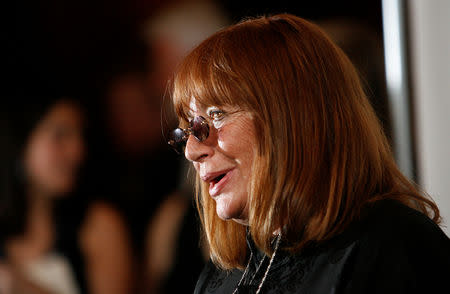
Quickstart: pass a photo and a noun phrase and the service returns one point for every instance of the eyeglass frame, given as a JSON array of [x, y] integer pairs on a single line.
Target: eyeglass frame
[[188, 132]]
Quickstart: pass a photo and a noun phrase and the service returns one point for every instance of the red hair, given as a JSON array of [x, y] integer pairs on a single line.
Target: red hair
[[322, 155]]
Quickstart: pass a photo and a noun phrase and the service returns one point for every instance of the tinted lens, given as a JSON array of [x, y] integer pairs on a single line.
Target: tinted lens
[[200, 128], [177, 139]]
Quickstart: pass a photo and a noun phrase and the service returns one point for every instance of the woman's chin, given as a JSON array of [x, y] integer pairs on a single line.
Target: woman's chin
[[223, 214], [230, 211]]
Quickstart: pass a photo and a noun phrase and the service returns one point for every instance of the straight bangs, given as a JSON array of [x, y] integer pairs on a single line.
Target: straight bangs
[[207, 76]]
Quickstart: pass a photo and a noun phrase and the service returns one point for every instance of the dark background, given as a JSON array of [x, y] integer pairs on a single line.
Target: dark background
[[82, 45]]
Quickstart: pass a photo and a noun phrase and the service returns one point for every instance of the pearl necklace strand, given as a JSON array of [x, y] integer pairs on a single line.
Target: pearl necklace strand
[[277, 243]]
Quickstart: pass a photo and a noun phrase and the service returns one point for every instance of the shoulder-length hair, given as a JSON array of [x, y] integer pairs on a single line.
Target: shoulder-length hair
[[322, 154], [27, 106]]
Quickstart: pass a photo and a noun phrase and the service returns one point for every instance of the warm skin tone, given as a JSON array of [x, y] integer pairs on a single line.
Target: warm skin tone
[[55, 151], [228, 151], [51, 160]]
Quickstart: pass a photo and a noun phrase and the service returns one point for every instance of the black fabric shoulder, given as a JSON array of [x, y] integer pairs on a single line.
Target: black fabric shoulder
[[203, 278], [391, 212], [392, 222], [391, 249], [400, 251]]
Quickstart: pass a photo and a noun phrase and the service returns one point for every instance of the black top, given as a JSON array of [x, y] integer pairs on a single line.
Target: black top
[[70, 215], [392, 249]]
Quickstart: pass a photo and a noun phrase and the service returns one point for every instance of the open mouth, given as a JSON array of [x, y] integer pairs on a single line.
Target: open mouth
[[218, 178], [217, 184]]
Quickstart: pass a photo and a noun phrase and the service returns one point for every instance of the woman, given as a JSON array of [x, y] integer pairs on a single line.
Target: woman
[[299, 192], [46, 245]]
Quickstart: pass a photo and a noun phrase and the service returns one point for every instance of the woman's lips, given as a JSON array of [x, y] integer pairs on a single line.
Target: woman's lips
[[216, 187]]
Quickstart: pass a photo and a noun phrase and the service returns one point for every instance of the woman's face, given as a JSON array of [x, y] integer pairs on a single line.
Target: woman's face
[[55, 150], [224, 160]]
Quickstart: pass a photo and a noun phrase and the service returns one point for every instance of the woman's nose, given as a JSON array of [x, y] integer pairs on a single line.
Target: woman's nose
[[196, 150]]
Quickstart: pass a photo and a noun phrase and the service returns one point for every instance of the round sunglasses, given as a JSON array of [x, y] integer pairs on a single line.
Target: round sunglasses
[[198, 127]]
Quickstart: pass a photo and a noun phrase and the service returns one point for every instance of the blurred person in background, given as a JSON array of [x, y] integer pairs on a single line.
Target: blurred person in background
[[133, 166], [130, 163], [52, 240], [298, 189], [174, 254]]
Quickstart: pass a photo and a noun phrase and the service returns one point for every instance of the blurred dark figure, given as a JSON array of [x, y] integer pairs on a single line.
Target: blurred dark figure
[[52, 239], [133, 164], [134, 169]]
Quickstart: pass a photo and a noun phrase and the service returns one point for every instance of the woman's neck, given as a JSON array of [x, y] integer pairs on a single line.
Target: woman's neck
[[38, 233], [39, 216]]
